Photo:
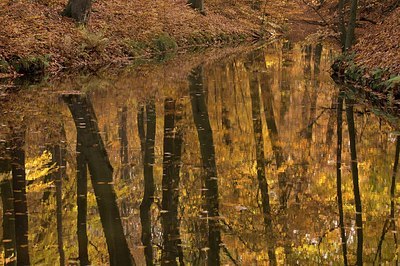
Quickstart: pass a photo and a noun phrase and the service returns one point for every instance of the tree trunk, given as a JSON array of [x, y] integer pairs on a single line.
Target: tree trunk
[[78, 10], [352, 25], [197, 4]]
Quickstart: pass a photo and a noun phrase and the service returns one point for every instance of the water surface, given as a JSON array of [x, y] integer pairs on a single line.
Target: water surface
[[229, 158]]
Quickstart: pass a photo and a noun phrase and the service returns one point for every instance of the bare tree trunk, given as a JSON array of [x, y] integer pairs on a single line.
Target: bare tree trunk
[[342, 26], [197, 4], [351, 25], [78, 10]]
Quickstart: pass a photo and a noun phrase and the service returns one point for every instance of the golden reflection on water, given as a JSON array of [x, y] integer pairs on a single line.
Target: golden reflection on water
[[291, 85]]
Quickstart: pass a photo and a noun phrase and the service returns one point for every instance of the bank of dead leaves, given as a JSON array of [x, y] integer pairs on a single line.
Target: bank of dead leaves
[[33, 28], [379, 45]]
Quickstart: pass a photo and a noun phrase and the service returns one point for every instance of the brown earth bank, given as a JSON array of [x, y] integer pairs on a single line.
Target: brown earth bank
[[378, 46], [35, 32], [36, 38]]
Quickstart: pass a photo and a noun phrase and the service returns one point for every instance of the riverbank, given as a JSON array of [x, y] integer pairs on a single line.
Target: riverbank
[[373, 67], [36, 38]]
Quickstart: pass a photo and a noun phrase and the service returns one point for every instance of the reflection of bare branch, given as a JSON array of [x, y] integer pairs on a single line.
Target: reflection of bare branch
[[385, 229], [321, 238], [253, 249], [316, 11], [312, 122], [229, 255]]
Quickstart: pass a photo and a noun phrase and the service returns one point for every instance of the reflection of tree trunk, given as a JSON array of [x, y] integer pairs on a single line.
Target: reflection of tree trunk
[[58, 157], [8, 218], [123, 136], [339, 177], [330, 124], [204, 131], [267, 97], [20, 201], [101, 173], [172, 249], [149, 188], [354, 172], [285, 81], [391, 222], [262, 181], [81, 179], [141, 128], [314, 96], [393, 193], [226, 123]]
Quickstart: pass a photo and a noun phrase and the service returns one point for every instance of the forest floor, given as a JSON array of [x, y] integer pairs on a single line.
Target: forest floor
[[35, 36], [378, 44]]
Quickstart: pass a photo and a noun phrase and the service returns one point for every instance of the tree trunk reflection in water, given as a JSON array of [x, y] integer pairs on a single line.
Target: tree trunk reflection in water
[[280, 158], [101, 173], [81, 179], [58, 157], [339, 176], [8, 214], [149, 187], [123, 137], [354, 172], [393, 194], [226, 123], [204, 131], [172, 249], [273, 134], [19, 192], [390, 224], [260, 157], [285, 79]]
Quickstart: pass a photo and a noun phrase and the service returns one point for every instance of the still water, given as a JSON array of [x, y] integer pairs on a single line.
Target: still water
[[222, 158]]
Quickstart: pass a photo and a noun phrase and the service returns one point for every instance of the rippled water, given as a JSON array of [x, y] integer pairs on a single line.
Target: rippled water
[[222, 158]]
